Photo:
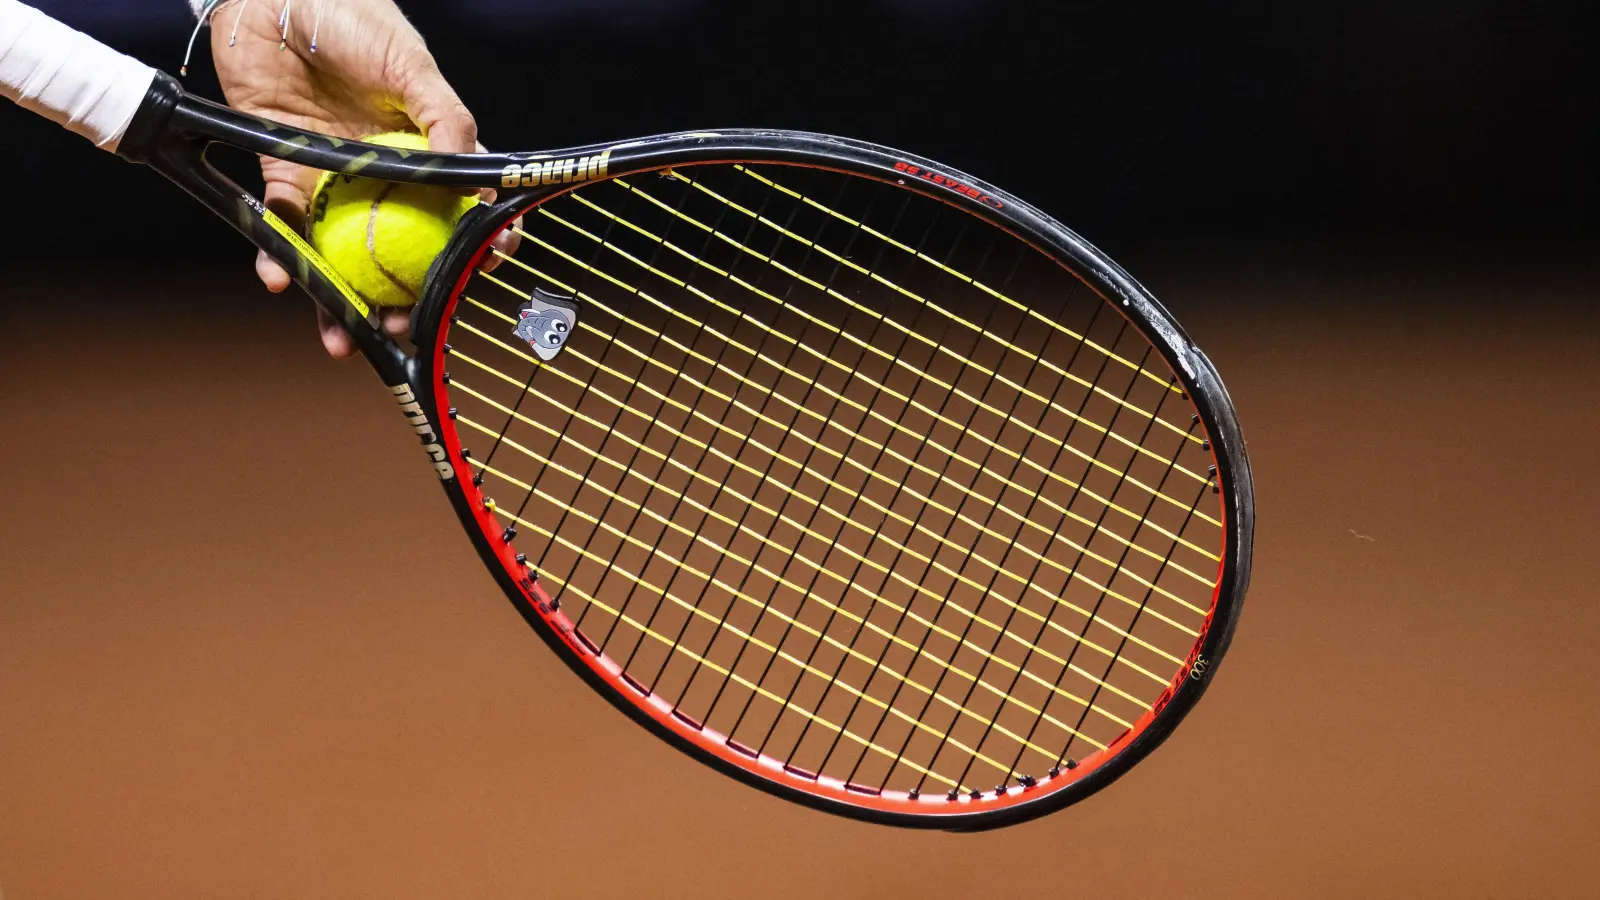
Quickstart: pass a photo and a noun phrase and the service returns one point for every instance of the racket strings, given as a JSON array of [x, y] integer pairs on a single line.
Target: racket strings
[[750, 600], [832, 678], [707, 511], [842, 516], [843, 506], [829, 290], [998, 294], [584, 278], [804, 468], [766, 476], [520, 398], [964, 360], [804, 665], [1091, 617], [989, 335], [872, 473], [933, 628], [676, 641], [1143, 609], [1024, 743], [654, 550], [876, 385], [878, 667], [780, 577], [1070, 664]]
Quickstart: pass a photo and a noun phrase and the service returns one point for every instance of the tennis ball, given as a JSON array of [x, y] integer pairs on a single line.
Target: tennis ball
[[382, 236]]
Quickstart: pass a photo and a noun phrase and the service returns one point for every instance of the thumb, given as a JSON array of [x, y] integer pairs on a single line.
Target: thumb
[[438, 113]]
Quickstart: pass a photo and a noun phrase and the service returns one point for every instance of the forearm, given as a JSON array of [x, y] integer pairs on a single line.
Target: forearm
[[68, 77]]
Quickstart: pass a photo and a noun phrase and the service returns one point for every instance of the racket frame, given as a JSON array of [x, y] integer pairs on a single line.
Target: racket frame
[[172, 132]]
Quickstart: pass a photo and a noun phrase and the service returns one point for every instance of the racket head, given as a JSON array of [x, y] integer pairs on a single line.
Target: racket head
[[681, 169]]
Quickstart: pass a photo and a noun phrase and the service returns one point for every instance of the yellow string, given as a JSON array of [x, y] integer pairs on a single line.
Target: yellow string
[[653, 422], [1122, 476], [966, 278], [892, 358], [828, 422], [627, 471], [612, 566], [790, 551], [746, 683]]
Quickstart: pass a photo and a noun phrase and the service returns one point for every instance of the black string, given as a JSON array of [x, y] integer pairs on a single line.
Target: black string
[[849, 515], [722, 485], [766, 473], [915, 454], [899, 554], [672, 453], [977, 608], [582, 281], [1094, 612], [1149, 592], [821, 499], [1082, 553], [626, 403]]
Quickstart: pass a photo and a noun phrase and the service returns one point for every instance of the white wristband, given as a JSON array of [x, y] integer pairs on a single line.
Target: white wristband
[[68, 77]]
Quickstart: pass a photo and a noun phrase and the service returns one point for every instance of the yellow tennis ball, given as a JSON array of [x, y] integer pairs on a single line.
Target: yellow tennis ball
[[381, 235]]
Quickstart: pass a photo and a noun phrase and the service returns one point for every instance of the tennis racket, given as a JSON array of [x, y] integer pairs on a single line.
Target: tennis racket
[[848, 474]]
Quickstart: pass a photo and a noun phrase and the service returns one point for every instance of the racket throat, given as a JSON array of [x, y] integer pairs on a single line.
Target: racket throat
[[422, 426]]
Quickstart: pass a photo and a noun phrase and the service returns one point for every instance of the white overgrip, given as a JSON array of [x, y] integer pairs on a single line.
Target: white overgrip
[[67, 76]]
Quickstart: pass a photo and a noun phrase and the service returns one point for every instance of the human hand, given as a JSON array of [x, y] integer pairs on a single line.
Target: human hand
[[370, 73]]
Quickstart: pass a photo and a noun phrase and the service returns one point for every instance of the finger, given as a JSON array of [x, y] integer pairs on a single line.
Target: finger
[[438, 113], [397, 321], [334, 338], [271, 274], [287, 196], [288, 193], [505, 244], [436, 110], [485, 195], [509, 240]]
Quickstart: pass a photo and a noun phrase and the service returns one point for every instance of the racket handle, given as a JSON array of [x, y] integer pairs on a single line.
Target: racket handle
[[67, 76]]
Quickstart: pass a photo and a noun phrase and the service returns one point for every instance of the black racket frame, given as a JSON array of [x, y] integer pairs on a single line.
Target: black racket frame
[[172, 131]]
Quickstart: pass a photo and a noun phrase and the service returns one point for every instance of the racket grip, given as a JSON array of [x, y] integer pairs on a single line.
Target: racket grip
[[67, 76]]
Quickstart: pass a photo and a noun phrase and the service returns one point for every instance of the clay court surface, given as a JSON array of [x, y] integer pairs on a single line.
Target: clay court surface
[[245, 651]]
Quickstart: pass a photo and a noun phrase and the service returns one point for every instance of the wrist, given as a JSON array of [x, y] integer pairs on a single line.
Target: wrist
[[68, 77]]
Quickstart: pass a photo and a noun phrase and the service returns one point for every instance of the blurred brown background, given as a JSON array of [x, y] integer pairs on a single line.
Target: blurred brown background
[[245, 651], [224, 673]]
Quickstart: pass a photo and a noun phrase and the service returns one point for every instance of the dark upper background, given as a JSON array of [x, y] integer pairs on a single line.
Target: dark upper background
[[1134, 123]]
